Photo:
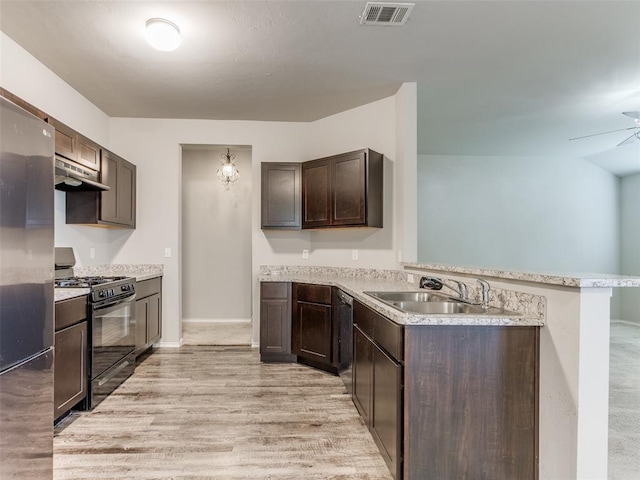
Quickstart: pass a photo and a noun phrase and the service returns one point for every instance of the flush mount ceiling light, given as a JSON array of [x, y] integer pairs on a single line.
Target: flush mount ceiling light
[[162, 34], [228, 173]]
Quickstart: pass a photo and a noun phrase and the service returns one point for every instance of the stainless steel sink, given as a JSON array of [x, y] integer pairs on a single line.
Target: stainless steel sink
[[428, 303], [409, 296]]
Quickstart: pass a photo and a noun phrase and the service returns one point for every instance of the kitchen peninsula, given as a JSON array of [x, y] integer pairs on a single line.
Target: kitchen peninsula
[[573, 312]]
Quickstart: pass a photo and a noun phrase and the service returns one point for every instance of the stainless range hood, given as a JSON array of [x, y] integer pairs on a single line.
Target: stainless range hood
[[73, 177]]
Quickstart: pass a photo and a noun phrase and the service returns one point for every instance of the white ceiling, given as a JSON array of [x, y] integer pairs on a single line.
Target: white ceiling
[[494, 78]]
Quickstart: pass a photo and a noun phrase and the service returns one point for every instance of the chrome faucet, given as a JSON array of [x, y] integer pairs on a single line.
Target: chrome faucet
[[485, 292], [433, 283]]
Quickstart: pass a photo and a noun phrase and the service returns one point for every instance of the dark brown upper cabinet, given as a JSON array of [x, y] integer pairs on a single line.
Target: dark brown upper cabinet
[[343, 190], [70, 144], [113, 208], [281, 204]]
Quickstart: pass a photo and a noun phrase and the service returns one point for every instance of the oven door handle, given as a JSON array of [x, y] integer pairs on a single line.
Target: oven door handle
[[102, 306], [115, 372]]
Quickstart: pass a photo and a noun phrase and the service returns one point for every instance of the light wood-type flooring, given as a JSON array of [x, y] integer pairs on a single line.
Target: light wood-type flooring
[[208, 412], [216, 333], [203, 412]]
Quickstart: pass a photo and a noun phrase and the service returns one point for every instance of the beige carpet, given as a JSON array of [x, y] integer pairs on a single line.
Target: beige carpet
[[216, 333], [624, 402]]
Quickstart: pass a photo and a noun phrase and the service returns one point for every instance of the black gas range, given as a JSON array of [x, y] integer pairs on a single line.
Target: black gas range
[[111, 323]]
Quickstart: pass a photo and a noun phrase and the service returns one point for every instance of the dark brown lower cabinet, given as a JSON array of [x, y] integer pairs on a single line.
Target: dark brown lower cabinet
[[377, 386], [312, 326], [275, 322], [70, 357], [148, 313], [448, 402]]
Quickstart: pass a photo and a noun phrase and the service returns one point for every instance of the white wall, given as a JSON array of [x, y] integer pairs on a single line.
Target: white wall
[[216, 236], [23, 75], [533, 214], [630, 246]]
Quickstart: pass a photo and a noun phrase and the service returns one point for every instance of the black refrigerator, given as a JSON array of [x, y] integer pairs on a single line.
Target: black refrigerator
[[26, 295]]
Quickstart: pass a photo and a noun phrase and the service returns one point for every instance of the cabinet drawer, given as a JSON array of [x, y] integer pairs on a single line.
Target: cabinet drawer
[[364, 317], [386, 333], [274, 290], [69, 312], [313, 293], [146, 288], [390, 336]]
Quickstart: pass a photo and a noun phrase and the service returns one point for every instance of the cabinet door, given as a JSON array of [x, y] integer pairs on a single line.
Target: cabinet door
[[154, 319], [109, 198], [118, 205], [70, 368], [275, 326], [281, 187], [275, 322], [88, 153], [142, 309], [312, 338], [126, 193], [66, 141], [386, 416], [316, 199], [362, 373], [348, 189]]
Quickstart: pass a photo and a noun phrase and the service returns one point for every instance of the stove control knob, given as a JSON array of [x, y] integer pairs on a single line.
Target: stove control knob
[[111, 293], [102, 293]]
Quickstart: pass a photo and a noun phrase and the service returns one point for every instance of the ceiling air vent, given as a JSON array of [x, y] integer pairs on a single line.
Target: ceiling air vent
[[378, 13]]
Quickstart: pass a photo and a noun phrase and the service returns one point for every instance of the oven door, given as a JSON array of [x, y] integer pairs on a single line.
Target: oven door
[[112, 334]]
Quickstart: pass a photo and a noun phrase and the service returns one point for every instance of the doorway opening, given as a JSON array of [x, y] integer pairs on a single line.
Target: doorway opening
[[216, 247]]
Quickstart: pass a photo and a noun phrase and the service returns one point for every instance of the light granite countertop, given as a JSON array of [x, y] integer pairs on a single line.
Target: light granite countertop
[[140, 272], [578, 280], [530, 308], [60, 294]]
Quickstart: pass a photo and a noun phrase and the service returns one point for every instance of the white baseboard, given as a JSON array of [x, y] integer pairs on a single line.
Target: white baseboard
[[626, 322], [255, 344], [216, 320], [168, 344]]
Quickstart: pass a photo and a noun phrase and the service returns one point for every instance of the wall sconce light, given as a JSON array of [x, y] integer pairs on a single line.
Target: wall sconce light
[[162, 34], [228, 172]]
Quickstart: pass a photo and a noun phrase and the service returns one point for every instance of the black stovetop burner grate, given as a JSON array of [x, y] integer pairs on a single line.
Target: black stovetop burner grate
[[85, 282]]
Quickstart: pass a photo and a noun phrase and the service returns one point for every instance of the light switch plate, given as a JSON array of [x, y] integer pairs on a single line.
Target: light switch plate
[[305, 253], [167, 252], [354, 254]]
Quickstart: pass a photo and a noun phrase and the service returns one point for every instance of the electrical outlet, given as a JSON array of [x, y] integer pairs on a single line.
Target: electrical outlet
[[92, 252], [354, 254], [167, 252], [305, 253], [410, 278], [399, 255]]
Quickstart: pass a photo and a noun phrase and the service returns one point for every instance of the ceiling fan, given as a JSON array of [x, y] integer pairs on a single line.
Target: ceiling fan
[[635, 136]]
